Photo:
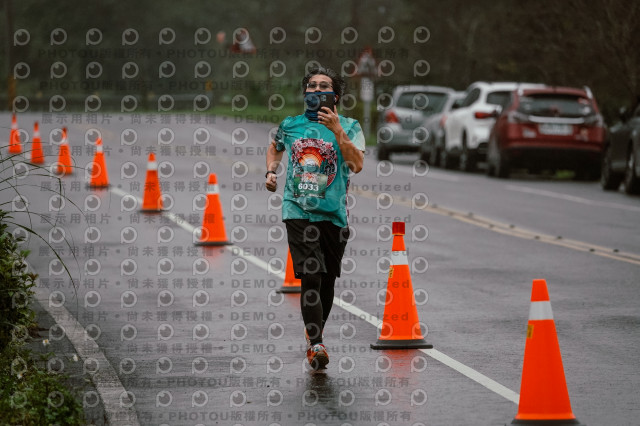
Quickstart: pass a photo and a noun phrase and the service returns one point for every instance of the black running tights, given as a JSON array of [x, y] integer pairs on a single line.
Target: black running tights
[[316, 300]]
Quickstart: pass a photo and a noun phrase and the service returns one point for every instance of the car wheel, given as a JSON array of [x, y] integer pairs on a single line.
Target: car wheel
[[491, 169], [631, 180], [446, 160], [609, 180], [467, 159], [434, 157], [424, 156], [503, 168], [383, 154]]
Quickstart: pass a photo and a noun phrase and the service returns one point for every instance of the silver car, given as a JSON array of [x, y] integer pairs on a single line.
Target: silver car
[[433, 126], [400, 124]]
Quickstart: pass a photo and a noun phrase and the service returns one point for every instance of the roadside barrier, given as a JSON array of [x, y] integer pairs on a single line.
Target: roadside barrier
[[544, 397], [213, 232], [291, 284], [99, 175], [400, 323], [14, 137], [64, 164], [152, 198], [37, 156]]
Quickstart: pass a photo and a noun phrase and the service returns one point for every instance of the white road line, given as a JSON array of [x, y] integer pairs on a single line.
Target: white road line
[[465, 370], [191, 229], [461, 368], [567, 197], [477, 377]]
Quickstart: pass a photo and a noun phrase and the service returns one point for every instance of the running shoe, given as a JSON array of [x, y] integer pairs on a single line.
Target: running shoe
[[306, 336], [317, 356]]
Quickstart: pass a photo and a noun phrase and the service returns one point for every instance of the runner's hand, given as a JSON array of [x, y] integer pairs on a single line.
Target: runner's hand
[[330, 119], [271, 183]]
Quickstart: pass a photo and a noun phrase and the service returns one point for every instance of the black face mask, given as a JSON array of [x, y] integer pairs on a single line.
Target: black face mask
[[314, 101]]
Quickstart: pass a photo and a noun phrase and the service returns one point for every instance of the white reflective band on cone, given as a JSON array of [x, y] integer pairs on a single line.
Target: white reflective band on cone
[[540, 311], [399, 258], [152, 165], [212, 189], [99, 148]]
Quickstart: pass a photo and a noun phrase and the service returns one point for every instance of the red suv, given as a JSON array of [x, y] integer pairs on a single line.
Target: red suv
[[548, 128]]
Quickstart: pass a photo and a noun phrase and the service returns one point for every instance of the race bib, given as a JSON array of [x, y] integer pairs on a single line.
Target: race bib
[[309, 184]]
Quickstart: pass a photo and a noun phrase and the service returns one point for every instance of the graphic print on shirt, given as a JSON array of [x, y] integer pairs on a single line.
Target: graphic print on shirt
[[314, 167]]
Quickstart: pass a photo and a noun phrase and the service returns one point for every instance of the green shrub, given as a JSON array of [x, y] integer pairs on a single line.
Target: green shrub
[[31, 395], [16, 284]]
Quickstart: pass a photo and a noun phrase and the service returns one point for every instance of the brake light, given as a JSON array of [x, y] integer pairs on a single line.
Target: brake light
[[391, 117], [443, 120], [480, 115]]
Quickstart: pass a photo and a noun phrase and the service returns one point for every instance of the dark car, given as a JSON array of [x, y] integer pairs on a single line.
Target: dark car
[[433, 127], [621, 161], [548, 128], [399, 125]]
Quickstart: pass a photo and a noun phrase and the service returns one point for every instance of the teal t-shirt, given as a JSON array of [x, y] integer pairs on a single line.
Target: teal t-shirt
[[317, 175]]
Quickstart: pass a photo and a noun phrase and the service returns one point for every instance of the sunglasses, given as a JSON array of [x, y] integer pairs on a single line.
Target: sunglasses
[[323, 85]]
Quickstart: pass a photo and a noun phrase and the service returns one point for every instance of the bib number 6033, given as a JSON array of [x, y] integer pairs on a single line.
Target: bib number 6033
[[308, 186]]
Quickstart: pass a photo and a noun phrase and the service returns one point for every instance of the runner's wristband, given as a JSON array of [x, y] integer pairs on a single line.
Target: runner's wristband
[[269, 172]]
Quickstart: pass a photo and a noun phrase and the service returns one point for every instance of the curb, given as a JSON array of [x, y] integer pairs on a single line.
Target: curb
[[117, 403]]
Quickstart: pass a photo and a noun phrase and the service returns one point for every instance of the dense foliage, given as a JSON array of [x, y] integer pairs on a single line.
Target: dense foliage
[[30, 394], [573, 42]]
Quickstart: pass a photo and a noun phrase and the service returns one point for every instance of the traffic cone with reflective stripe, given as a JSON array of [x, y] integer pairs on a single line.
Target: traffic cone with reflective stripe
[[65, 166], [400, 324], [213, 232], [14, 137], [152, 199], [99, 175], [291, 284], [37, 156], [544, 397]]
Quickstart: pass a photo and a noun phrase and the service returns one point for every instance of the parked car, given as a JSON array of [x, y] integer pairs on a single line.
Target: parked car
[[548, 128], [433, 127], [466, 129], [621, 161], [398, 128]]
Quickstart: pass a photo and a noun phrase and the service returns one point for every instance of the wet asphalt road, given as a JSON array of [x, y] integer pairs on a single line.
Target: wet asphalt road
[[199, 335]]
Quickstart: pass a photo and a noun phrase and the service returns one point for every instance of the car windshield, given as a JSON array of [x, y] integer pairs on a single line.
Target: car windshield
[[428, 102], [555, 105], [499, 98]]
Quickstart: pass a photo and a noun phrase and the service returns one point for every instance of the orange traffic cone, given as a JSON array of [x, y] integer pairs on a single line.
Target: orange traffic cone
[[14, 137], [152, 199], [400, 325], [37, 156], [99, 175], [544, 397], [291, 283], [64, 157], [213, 232]]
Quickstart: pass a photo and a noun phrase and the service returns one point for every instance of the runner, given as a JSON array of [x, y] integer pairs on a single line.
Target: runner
[[322, 148]]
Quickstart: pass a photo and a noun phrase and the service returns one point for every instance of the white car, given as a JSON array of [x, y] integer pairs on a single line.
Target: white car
[[466, 130]]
